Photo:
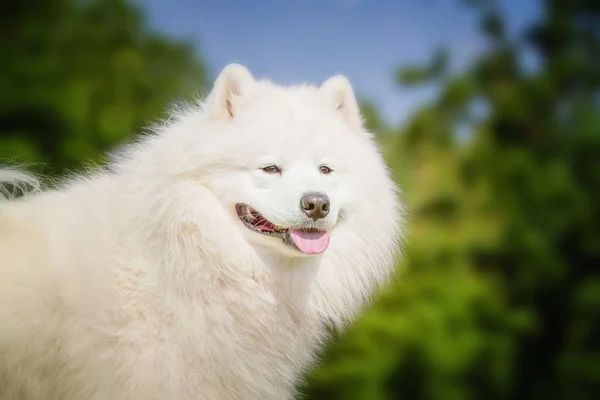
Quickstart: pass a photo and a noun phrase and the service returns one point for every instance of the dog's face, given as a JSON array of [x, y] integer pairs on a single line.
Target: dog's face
[[293, 160], [287, 198]]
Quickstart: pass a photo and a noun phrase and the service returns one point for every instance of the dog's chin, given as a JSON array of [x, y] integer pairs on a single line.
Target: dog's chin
[[274, 248], [290, 241]]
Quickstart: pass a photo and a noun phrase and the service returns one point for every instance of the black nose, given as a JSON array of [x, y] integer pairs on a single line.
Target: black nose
[[315, 205]]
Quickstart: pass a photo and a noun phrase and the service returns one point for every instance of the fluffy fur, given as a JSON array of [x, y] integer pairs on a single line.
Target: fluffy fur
[[140, 282]]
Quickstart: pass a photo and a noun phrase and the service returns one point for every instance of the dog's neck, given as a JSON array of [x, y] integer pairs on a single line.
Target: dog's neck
[[290, 279]]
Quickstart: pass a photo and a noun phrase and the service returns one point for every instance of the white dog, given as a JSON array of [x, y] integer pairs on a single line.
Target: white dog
[[207, 260]]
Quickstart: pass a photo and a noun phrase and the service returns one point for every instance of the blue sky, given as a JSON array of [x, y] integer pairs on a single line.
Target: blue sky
[[294, 41]]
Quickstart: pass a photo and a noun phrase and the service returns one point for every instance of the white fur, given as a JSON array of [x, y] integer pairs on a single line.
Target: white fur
[[140, 282]]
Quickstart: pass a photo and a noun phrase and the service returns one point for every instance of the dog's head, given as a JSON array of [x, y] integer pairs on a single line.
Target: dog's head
[[296, 161]]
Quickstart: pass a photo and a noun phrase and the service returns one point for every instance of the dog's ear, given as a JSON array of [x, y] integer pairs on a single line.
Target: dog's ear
[[231, 85], [340, 95]]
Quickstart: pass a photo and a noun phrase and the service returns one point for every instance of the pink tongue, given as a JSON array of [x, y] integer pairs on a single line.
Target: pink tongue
[[310, 242]]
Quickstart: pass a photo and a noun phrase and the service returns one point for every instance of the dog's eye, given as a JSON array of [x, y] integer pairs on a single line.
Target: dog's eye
[[272, 169], [325, 170]]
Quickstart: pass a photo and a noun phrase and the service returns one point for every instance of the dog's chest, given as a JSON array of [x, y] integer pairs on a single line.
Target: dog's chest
[[233, 349]]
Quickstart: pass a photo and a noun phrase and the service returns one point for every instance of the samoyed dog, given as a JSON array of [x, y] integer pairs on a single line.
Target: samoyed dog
[[208, 260]]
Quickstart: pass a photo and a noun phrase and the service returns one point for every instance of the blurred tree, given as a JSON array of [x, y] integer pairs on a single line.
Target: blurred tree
[[373, 120], [79, 77], [499, 295]]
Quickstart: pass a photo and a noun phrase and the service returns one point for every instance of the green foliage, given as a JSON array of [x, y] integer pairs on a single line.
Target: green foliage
[[78, 78], [415, 75], [499, 292], [373, 121]]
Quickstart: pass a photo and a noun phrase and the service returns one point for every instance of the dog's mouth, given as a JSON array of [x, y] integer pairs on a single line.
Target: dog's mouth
[[306, 240]]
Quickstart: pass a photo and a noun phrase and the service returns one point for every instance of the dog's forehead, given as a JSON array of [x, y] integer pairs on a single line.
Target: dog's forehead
[[297, 124], [302, 103], [299, 119], [299, 147]]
